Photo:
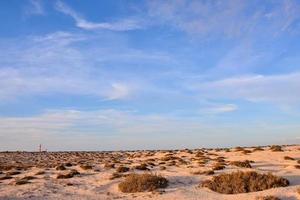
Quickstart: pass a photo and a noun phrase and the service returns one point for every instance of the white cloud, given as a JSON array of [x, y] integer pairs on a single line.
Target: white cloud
[[278, 89], [35, 7], [230, 18], [121, 25], [116, 129], [118, 91], [222, 108]]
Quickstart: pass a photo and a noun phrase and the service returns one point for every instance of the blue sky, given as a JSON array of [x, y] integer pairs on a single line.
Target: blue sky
[[102, 75]]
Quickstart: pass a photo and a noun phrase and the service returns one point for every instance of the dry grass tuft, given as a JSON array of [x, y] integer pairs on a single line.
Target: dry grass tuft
[[142, 166], [244, 164], [206, 172], [267, 198], [276, 148], [258, 149], [122, 169], [142, 183], [60, 167], [288, 158], [219, 166], [5, 177], [86, 167], [243, 182], [71, 174]]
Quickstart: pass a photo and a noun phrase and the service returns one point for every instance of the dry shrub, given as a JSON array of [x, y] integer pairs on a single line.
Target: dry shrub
[[142, 183], [122, 169], [218, 166], [40, 173], [243, 182], [245, 151], [239, 149], [141, 167], [258, 149], [5, 177], [244, 164], [115, 175], [86, 167], [298, 190], [21, 182], [267, 198], [12, 173], [206, 172], [109, 165], [288, 158], [276, 148], [60, 167], [71, 174], [297, 166]]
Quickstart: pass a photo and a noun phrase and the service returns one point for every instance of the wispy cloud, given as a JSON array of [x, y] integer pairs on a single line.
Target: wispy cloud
[[204, 17], [35, 7], [280, 89], [121, 25], [219, 108], [122, 129]]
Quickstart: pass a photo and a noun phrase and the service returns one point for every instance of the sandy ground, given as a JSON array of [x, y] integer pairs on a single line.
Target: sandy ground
[[96, 183]]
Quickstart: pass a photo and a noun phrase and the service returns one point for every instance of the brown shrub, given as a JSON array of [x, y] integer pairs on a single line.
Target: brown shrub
[[206, 172], [86, 167], [12, 173], [141, 167], [297, 166], [244, 164], [5, 177], [218, 166], [40, 173], [71, 174], [115, 175], [60, 167], [258, 149], [239, 149], [142, 182], [21, 182], [288, 158], [276, 148], [243, 182], [298, 190], [109, 165], [245, 151], [267, 198], [122, 169]]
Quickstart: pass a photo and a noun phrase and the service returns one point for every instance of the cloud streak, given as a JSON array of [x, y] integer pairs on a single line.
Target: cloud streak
[[81, 22], [280, 89]]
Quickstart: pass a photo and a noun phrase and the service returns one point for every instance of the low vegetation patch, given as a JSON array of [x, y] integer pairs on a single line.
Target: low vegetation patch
[[244, 164], [219, 166], [276, 148], [142, 183], [243, 182], [288, 158], [122, 169], [86, 167], [267, 198], [205, 172]]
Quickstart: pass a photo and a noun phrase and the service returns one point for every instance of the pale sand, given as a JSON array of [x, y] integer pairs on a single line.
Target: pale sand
[[183, 185]]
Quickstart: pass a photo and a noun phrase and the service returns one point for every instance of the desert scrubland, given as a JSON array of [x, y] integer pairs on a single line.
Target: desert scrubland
[[269, 172]]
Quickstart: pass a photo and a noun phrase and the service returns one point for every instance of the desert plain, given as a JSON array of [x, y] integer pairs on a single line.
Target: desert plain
[[183, 174]]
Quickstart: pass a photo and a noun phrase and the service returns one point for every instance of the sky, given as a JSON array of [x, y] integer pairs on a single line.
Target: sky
[[169, 74]]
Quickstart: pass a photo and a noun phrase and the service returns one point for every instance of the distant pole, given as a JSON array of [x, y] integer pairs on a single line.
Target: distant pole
[[40, 148]]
